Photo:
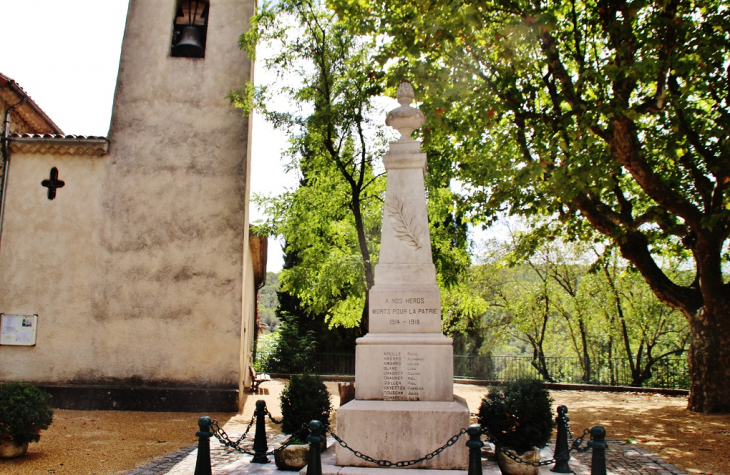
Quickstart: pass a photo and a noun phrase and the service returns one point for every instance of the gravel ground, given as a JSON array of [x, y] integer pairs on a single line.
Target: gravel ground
[[109, 442]]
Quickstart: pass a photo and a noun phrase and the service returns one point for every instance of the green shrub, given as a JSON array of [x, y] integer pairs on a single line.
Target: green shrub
[[24, 412], [305, 398], [295, 349], [265, 349], [518, 414]]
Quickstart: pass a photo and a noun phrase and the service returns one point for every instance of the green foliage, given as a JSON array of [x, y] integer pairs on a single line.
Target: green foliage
[[530, 101], [268, 301], [518, 414], [565, 300], [301, 334], [593, 121], [295, 350], [304, 399], [24, 412], [468, 313], [332, 220], [337, 136], [266, 347]]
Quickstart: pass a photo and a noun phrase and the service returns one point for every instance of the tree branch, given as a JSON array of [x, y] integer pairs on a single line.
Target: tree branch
[[625, 147]]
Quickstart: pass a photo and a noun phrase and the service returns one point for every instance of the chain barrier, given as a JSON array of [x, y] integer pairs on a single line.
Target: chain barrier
[[574, 445], [290, 440], [225, 439], [271, 418], [402, 463]]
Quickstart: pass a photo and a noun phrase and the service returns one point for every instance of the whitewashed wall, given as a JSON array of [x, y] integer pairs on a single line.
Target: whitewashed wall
[[136, 269]]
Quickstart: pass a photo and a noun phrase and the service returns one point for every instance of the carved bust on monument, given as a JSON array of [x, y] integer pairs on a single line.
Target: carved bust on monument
[[404, 403]]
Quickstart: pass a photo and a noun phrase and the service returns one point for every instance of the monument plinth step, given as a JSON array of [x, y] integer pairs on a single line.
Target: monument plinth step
[[403, 430]]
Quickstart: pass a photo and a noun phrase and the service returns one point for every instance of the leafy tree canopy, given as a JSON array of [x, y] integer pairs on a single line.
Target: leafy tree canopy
[[605, 119], [337, 136]]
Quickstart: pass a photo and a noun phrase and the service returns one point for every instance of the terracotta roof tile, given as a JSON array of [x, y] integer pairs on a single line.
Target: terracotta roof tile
[[41, 117], [58, 136], [59, 144]]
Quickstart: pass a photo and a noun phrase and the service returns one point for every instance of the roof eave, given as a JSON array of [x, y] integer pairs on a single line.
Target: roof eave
[[64, 145], [30, 102]]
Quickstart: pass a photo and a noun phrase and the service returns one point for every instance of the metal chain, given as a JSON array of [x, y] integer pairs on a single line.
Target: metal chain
[[402, 463], [271, 418], [512, 454], [574, 445], [289, 441], [224, 439]]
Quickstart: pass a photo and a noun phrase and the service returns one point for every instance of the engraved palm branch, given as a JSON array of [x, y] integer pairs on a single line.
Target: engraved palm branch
[[404, 226]]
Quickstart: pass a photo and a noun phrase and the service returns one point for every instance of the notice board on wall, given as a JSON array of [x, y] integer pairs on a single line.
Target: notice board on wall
[[18, 330]]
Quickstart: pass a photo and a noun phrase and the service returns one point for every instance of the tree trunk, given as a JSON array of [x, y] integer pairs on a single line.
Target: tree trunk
[[586, 355], [709, 357], [365, 253]]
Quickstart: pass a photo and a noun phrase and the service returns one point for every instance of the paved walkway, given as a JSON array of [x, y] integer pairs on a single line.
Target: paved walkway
[[621, 459]]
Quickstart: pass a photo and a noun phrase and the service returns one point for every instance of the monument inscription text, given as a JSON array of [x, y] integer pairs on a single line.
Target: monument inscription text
[[405, 313], [402, 376]]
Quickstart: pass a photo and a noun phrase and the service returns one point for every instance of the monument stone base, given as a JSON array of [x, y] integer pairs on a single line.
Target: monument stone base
[[403, 430]]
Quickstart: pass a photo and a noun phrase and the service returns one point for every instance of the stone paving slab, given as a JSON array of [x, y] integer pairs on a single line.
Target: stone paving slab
[[621, 459]]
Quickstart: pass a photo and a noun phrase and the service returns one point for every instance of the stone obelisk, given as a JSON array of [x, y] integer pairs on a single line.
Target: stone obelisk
[[404, 403]]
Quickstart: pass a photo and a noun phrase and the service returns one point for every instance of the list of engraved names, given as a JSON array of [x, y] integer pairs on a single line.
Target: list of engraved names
[[402, 376]]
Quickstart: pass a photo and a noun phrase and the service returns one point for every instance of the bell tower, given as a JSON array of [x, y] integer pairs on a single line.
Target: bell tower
[[175, 197], [190, 29]]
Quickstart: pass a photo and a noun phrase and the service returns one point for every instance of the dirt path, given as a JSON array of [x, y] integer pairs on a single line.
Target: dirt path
[[108, 442]]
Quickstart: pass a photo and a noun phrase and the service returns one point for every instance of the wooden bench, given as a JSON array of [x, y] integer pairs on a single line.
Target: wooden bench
[[257, 379]]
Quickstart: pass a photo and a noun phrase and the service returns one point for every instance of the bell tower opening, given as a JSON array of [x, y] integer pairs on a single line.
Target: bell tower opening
[[190, 29]]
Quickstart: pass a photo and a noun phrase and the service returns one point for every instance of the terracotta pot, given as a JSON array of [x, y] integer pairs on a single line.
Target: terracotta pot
[[9, 450], [294, 457], [510, 467]]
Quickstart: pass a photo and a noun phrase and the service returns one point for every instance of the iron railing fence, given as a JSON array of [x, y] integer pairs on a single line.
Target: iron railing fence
[[341, 364], [669, 373]]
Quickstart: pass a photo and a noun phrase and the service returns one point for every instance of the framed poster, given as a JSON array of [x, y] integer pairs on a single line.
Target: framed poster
[[18, 330]]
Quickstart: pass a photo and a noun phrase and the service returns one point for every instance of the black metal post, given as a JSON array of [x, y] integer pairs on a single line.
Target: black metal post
[[598, 445], [475, 445], [562, 452], [314, 464], [202, 464], [259, 440]]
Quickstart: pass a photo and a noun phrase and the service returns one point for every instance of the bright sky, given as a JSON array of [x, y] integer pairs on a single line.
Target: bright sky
[[65, 55]]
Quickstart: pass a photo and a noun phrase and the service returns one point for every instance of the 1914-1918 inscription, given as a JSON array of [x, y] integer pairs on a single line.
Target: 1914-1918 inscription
[[400, 312], [402, 376]]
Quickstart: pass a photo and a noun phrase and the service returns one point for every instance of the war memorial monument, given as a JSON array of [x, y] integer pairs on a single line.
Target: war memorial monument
[[404, 404]]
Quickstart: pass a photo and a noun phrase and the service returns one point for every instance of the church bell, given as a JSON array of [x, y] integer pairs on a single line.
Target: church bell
[[189, 45]]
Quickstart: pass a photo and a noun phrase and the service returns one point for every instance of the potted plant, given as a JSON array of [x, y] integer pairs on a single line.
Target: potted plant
[[304, 399], [24, 412], [518, 415]]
